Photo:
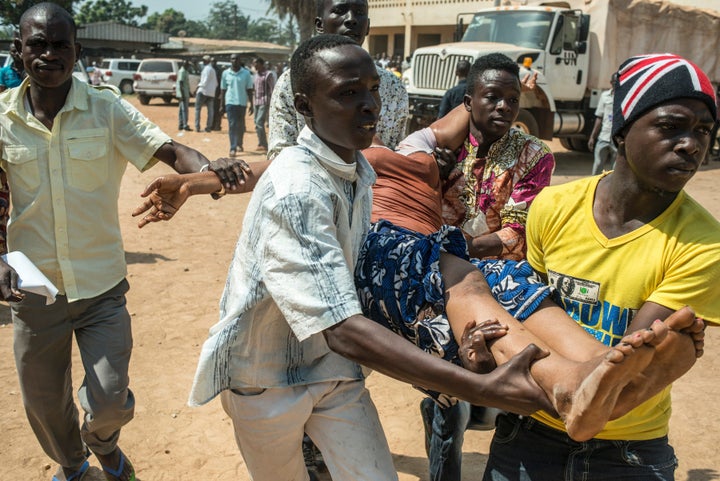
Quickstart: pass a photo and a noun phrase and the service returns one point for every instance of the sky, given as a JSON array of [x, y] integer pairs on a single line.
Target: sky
[[198, 10]]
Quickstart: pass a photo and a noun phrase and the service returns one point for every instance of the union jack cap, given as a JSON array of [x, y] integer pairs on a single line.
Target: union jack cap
[[648, 80]]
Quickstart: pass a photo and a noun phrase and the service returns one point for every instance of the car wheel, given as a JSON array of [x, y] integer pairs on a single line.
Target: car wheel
[[527, 123], [144, 99], [126, 87], [167, 100]]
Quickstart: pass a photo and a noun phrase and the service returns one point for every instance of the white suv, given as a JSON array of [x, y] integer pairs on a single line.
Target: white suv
[[155, 77], [119, 73]]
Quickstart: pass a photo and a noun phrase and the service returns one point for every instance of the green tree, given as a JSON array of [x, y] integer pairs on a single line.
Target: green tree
[[226, 21], [268, 30], [304, 12], [173, 22], [120, 11], [11, 10]]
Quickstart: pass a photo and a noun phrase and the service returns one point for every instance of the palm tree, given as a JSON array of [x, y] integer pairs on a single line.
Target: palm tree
[[303, 10]]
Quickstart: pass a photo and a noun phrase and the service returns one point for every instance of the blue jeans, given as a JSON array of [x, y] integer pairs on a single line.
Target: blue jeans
[[200, 100], [444, 436], [236, 125], [183, 109], [261, 115], [524, 449]]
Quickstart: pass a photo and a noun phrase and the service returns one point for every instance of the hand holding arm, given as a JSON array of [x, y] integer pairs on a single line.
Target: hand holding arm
[[473, 349], [165, 195], [510, 386]]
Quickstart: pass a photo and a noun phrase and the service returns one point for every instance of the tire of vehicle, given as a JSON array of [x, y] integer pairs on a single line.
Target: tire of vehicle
[[527, 123], [126, 87], [167, 100], [577, 144], [144, 99]]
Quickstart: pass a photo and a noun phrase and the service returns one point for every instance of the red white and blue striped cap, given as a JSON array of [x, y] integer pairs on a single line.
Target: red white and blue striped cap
[[648, 80]]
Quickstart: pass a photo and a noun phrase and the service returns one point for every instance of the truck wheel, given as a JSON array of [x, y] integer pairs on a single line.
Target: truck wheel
[[527, 123], [167, 100], [144, 99], [577, 144], [126, 87]]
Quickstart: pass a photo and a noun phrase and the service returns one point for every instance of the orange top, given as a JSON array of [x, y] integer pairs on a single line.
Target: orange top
[[408, 189]]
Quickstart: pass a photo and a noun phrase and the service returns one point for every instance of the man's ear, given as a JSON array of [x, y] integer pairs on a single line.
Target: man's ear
[[18, 46], [620, 143], [467, 102], [302, 105], [319, 25], [367, 32]]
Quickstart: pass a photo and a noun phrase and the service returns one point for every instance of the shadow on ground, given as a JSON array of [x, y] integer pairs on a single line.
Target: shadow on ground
[[145, 258]]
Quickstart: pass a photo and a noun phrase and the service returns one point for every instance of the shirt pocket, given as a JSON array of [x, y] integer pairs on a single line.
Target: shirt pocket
[[87, 154], [23, 172]]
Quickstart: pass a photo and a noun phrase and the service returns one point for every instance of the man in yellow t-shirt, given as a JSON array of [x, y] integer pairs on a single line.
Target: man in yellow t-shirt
[[624, 249]]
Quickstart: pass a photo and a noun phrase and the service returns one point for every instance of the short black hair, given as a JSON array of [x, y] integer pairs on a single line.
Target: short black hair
[[491, 61], [260, 60], [53, 10], [462, 68], [302, 64]]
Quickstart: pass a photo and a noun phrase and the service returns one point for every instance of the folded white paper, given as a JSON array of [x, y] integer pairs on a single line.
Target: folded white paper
[[29, 276]]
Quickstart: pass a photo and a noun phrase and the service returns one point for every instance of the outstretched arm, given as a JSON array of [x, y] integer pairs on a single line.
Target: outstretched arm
[[166, 194]]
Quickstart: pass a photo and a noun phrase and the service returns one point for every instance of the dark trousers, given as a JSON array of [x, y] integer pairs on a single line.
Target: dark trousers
[[524, 449], [43, 338]]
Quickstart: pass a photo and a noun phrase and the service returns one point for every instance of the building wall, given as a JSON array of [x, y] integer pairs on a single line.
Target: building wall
[[398, 27]]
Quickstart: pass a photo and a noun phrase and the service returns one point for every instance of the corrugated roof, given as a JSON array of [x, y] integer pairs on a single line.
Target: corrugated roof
[[117, 32], [212, 45]]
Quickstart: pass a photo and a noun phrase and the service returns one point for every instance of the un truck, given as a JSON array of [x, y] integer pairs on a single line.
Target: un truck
[[575, 46]]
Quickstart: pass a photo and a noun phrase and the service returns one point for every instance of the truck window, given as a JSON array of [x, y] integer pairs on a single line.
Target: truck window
[[557, 41], [526, 29]]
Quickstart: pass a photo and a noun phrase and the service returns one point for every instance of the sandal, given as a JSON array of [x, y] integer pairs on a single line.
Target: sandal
[[115, 474], [76, 476]]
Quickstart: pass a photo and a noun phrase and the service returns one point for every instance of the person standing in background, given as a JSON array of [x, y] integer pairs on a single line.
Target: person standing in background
[[455, 95], [235, 93], [217, 118], [264, 83], [205, 94], [600, 142], [182, 92], [12, 75]]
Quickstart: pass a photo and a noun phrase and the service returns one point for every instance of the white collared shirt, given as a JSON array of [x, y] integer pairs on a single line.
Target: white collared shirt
[[291, 276]]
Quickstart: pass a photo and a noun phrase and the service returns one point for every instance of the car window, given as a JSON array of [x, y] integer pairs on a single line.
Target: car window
[[152, 66], [128, 66], [105, 64], [192, 69]]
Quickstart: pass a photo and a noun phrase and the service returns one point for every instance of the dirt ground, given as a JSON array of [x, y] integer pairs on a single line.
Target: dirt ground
[[177, 272]]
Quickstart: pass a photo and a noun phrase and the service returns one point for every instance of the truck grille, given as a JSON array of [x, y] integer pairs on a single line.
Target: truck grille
[[430, 71]]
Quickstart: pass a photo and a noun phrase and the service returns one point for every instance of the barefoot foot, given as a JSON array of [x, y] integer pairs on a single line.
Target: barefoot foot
[[593, 401]]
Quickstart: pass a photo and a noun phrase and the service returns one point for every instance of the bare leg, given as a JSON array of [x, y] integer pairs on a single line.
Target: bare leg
[[584, 393]]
